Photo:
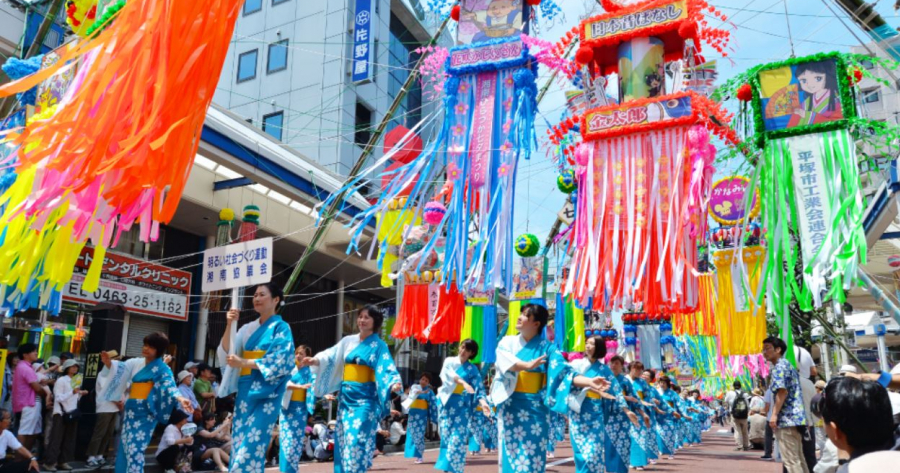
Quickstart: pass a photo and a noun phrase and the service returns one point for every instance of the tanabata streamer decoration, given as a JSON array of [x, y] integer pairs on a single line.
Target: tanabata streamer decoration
[[646, 165], [118, 150], [703, 321], [569, 332], [481, 325], [804, 118], [488, 126], [740, 315]]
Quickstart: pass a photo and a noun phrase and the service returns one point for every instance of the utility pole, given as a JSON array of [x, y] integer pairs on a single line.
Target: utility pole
[[332, 209]]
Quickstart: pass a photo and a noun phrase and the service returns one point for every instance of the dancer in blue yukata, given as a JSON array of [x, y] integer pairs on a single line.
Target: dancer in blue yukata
[[656, 408], [587, 410], [489, 431], [637, 456], [557, 432], [422, 409], [532, 378], [296, 407], [461, 390], [476, 424], [259, 364], [643, 437], [361, 369], [152, 396], [669, 423], [620, 420]]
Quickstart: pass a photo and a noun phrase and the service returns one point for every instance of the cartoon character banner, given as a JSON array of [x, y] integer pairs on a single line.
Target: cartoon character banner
[[726, 202], [800, 94], [485, 20]]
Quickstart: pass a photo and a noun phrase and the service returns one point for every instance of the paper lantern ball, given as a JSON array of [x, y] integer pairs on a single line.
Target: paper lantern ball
[[527, 245], [855, 76], [226, 215], [584, 55], [894, 261], [251, 214], [566, 181], [745, 93], [454, 12], [534, 3], [688, 30], [434, 212]]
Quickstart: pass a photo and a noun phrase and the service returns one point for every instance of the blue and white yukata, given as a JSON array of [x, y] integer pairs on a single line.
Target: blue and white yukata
[[421, 407], [476, 424], [618, 428], [646, 449], [489, 431], [694, 425], [587, 413], [669, 426], [363, 372], [259, 391], [457, 411], [557, 430], [152, 397], [296, 407], [524, 400], [637, 433]]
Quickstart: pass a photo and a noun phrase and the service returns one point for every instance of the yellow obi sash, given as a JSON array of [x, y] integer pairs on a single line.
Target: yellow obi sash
[[298, 395], [529, 382], [641, 395], [251, 355], [459, 389], [593, 395], [141, 390], [419, 404], [358, 373]]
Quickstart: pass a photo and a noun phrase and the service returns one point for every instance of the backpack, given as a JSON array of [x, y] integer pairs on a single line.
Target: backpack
[[739, 409]]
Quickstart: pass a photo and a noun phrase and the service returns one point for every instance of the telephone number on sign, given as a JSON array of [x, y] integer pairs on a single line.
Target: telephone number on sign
[[158, 302]]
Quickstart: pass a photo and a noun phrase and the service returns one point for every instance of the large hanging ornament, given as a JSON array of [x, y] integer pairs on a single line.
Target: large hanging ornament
[[527, 245], [566, 181]]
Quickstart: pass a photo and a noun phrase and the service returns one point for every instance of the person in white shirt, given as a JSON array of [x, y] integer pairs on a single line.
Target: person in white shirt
[[185, 382], [8, 441], [173, 440], [739, 419], [64, 431], [398, 433], [107, 420]]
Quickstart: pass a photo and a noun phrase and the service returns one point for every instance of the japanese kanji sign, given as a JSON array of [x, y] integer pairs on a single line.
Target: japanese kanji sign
[[362, 41], [139, 286], [812, 191], [241, 264]]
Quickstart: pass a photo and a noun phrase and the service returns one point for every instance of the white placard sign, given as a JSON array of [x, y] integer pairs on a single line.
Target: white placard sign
[[238, 265]]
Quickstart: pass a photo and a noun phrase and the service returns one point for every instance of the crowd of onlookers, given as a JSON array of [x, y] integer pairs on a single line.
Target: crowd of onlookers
[[812, 425], [42, 400]]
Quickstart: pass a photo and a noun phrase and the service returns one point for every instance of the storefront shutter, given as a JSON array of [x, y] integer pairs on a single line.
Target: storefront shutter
[[139, 327]]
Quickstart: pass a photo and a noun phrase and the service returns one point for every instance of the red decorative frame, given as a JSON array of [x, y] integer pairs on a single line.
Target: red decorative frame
[[637, 128], [605, 49]]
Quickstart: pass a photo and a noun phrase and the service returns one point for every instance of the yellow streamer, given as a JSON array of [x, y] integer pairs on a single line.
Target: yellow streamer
[[742, 324]]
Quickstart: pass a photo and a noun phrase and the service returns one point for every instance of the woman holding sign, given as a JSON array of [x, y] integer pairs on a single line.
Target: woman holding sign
[[259, 368], [362, 369]]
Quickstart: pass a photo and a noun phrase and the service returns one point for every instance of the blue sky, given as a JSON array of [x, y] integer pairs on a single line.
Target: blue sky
[[759, 35]]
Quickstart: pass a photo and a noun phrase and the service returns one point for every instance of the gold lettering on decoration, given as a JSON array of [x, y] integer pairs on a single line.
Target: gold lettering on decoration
[[633, 21]]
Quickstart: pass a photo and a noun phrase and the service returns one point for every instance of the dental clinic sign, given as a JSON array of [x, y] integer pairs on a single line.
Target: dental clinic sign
[[362, 41]]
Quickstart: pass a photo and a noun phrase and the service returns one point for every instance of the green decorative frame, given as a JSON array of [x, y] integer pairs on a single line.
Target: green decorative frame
[[845, 91]]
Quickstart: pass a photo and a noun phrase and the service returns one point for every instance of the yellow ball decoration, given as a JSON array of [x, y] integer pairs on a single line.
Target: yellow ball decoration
[[226, 214]]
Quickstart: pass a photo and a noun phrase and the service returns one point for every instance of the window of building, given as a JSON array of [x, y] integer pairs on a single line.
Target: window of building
[[871, 96], [278, 53], [278, 2], [273, 124], [247, 66], [252, 6], [869, 65], [362, 125], [402, 58]]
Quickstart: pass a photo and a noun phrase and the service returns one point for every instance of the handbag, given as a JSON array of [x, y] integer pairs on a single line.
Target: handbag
[[72, 416]]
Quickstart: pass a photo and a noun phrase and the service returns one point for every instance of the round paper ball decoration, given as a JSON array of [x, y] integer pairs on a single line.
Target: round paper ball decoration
[[527, 245], [454, 12], [745, 93], [251, 214], [584, 55], [226, 215], [894, 261], [566, 181], [434, 212]]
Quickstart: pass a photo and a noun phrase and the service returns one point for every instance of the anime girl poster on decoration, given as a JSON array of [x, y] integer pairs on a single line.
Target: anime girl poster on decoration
[[484, 20], [528, 279], [800, 95]]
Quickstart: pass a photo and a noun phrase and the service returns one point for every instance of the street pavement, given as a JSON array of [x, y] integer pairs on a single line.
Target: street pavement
[[715, 454]]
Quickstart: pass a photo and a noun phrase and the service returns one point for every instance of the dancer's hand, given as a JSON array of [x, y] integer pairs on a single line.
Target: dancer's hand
[[599, 384], [397, 387], [309, 361], [235, 361], [646, 421], [232, 316], [186, 405], [530, 365], [468, 387], [633, 418]]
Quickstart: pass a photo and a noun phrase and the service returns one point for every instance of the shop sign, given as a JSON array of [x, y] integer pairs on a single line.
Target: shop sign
[[139, 286]]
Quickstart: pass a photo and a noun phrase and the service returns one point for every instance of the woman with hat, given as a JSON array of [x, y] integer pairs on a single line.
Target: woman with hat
[[65, 419], [151, 398], [259, 367], [185, 381], [360, 367]]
